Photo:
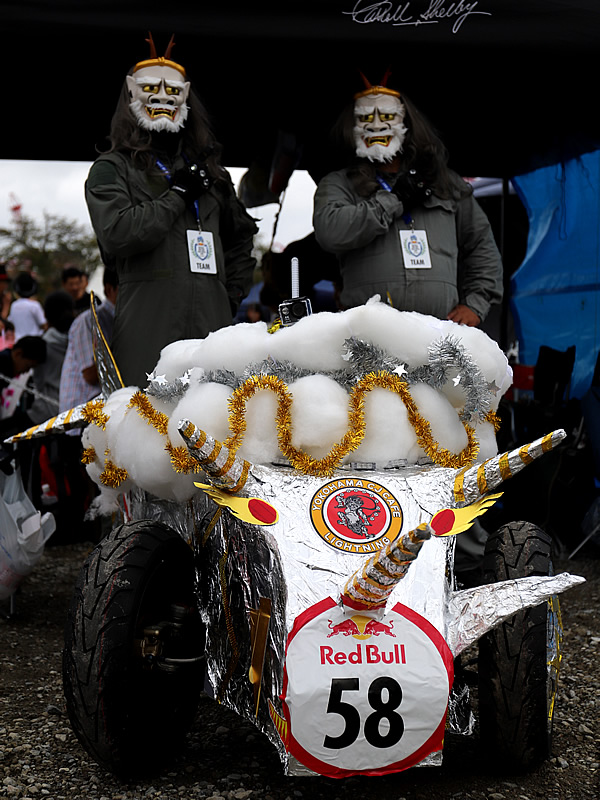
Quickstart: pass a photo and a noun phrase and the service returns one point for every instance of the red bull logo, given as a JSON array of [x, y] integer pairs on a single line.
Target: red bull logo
[[360, 627], [356, 515], [374, 628], [347, 627]]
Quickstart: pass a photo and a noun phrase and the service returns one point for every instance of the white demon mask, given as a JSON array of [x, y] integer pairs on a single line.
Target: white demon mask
[[158, 98], [378, 129]]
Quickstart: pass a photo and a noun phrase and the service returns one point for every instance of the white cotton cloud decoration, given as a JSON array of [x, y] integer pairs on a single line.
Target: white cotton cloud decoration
[[385, 441], [316, 355], [202, 402], [319, 414]]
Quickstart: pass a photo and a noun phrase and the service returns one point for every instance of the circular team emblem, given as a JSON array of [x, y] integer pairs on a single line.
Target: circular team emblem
[[415, 246], [364, 696], [355, 515], [201, 249]]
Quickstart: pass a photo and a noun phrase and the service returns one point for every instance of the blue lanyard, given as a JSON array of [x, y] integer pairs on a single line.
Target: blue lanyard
[[385, 185], [166, 172]]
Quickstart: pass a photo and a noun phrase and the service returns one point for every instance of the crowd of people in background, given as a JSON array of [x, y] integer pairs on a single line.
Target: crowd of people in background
[[46, 366]]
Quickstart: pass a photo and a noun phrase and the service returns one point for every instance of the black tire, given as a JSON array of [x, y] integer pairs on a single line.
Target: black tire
[[129, 717], [517, 682]]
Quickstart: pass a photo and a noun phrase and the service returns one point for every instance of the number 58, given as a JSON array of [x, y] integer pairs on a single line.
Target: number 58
[[381, 710]]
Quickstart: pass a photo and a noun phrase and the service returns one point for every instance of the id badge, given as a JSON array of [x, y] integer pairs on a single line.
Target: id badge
[[201, 252], [415, 249]]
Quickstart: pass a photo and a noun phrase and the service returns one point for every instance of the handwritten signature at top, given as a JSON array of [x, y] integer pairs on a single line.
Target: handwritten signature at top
[[402, 13]]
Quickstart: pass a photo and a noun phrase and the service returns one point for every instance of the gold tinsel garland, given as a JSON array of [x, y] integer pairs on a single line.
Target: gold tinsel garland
[[147, 411], [494, 420], [113, 475], [93, 412], [88, 455], [183, 462], [324, 467]]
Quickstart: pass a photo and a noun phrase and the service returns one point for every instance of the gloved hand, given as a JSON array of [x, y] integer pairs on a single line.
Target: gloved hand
[[191, 181], [410, 189]]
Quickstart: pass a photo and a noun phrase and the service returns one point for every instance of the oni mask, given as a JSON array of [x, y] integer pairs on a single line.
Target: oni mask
[[378, 129], [158, 98]]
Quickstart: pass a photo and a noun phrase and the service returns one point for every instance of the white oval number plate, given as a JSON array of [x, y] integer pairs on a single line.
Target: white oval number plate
[[364, 696]]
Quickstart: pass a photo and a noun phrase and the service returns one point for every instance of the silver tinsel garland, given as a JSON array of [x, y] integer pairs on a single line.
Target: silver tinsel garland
[[286, 371], [448, 361], [365, 357]]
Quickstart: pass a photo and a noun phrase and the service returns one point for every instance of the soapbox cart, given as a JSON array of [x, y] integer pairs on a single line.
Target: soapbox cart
[[353, 681], [313, 595]]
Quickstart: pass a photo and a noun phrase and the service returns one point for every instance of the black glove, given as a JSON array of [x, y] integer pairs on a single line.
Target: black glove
[[410, 189], [191, 181]]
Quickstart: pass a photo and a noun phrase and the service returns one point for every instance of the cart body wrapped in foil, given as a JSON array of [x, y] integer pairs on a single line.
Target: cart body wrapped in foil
[[324, 565]]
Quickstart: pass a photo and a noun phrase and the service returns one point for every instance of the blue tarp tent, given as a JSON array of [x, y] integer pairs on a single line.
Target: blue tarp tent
[[555, 293]]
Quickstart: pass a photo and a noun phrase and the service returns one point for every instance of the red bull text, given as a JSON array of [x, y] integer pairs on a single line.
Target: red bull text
[[364, 654]]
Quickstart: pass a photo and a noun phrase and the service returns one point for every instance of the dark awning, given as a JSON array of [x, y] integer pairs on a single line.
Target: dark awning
[[510, 84]]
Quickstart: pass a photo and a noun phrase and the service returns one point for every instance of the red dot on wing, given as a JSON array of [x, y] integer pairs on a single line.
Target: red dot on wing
[[263, 511], [443, 521]]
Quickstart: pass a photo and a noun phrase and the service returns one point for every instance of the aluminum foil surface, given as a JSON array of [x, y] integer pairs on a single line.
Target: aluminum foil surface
[[298, 562], [306, 557], [473, 612], [66, 420]]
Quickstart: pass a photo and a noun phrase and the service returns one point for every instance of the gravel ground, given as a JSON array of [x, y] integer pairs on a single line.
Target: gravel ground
[[225, 758]]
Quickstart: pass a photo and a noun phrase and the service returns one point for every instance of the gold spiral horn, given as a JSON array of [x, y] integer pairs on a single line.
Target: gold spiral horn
[[225, 470], [473, 482]]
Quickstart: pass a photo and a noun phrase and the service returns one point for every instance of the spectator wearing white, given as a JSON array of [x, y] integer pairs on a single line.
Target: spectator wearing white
[[26, 313], [79, 376]]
